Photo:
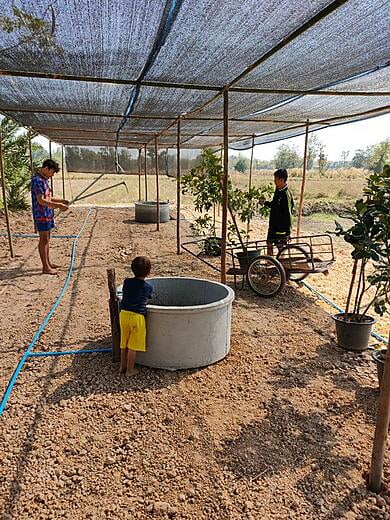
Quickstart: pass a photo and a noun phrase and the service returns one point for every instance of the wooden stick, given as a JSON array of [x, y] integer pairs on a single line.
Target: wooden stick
[[381, 428], [51, 178], [354, 269], [30, 153], [63, 170], [178, 191], [11, 248], [250, 181], [303, 180], [146, 175], [157, 184], [139, 174], [114, 315], [225, 183]]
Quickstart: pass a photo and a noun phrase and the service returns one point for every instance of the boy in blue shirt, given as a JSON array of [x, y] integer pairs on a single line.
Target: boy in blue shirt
[[136, 293], [43, 210]]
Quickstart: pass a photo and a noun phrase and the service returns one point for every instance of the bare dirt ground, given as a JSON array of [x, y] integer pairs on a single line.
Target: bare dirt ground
[[280, 429]]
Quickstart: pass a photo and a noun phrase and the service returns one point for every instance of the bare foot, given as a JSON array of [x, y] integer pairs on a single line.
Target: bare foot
[[132, 372], [49, 271], [55, 266], [122, 370]]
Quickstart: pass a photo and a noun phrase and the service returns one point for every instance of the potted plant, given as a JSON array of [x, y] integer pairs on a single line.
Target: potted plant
[[204, 183], [369, 236]]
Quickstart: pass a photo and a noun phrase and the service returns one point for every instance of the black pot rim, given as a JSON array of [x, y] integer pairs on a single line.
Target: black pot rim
[[375, 355], [339, 317]]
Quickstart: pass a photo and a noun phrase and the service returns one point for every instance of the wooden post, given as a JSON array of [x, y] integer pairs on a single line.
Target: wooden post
[[157, 184], [225, 183], [51, 178], [146, 175], [114, 315], [303, 180], [30, 153], [178, 191], [250, 181], [11, 248], [63, 170], [381, 428], [139, 174]]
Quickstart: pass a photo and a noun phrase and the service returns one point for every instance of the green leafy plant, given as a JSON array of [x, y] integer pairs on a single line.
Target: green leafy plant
[[204, 183], [16, 164], [369, 236]]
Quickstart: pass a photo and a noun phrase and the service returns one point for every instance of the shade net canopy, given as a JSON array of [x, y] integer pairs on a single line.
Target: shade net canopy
[[119, 73], [102, 159]]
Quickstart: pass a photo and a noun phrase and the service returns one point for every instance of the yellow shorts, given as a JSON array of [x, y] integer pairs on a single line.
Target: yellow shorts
[[133, 331]]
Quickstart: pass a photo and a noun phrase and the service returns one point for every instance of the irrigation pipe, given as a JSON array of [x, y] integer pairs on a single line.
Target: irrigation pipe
[[70, 352], [35, 235], [27, 353], [335, 306]]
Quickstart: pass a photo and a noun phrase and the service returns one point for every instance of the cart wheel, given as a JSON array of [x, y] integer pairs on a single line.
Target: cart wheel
[[287, 252], [266, 276]]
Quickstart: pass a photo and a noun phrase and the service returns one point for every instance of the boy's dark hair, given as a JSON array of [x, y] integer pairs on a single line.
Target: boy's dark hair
[[51, 165], [141, 266], [281, 174]]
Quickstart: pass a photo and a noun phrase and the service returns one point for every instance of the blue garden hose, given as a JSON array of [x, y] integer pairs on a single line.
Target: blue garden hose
[[332, 304], [27, 353], [70, 352], [35, 235]]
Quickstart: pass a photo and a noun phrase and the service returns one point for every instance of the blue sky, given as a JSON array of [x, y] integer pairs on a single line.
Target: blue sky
[[345, 137]]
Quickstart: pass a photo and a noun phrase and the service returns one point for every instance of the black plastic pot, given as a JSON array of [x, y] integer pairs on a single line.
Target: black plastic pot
[[379, 357], [246, 257], [353, 335]]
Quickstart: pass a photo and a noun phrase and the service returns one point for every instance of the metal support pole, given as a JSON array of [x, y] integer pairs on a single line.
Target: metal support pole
[[303, 180], [157, 184], [225, 183], [63, 170], [178, 191], [139, 174], [51, 178], [11, 248], [146, 174]]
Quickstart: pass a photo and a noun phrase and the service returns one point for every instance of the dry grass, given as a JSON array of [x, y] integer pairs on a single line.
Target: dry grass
[[336, 185]]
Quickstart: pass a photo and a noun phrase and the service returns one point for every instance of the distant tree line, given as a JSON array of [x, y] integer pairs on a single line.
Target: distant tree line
[[287, 156]]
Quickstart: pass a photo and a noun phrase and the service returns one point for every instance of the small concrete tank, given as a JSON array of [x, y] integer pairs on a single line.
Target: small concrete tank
[[188, 323], [146, 211]]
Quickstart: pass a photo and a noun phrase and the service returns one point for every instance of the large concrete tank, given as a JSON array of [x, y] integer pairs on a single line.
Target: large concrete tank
[[188, 323], [146, 211]]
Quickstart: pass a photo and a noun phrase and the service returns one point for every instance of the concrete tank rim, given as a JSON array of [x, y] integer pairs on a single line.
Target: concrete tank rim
[[190, 309], [150, 202]]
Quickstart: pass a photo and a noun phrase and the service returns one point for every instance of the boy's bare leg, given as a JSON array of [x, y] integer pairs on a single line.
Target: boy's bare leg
[[270, 249], [131, 371], [43, 248], [123, 365]]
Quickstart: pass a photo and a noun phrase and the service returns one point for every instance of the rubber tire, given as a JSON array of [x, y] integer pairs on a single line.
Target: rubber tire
[[278, 267], [297, 277]]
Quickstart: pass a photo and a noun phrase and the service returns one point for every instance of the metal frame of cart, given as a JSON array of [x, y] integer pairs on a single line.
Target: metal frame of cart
[[266, 268]]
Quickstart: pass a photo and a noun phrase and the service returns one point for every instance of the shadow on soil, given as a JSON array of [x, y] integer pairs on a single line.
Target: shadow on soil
[[286, 439]]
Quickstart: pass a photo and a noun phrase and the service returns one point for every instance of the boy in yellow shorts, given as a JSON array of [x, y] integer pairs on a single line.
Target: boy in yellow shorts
[[136, 293]]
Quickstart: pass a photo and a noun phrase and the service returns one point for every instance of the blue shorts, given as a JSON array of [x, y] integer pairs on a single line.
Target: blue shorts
[[44, 226]]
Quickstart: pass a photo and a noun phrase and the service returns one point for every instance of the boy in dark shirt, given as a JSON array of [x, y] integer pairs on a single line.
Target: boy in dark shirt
[[280, 219], [136, 293]]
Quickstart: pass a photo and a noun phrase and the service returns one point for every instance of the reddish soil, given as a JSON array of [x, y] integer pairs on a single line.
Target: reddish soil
[[280, 429]]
